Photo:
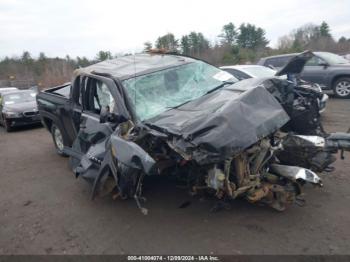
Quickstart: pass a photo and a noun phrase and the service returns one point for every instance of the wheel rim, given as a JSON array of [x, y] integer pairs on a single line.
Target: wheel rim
[[343, 88], [58, 139]]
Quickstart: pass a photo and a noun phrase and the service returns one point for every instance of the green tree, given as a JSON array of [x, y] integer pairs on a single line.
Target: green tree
[[306, 34], [203, 43], [194, 43], [342, 40], [168, 42], [251, 37], [301, 38], [42, 56], [185, 45], [26, 58], [82, 61], [197, 43], [39, 65], [324, 30], [147, 46], [228, 34], [103, 55]]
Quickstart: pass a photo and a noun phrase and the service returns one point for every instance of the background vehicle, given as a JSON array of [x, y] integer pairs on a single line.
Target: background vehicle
[[4, 90], [330, 71], [242, 72], [18, 108], [347, 57], [276, 62], [7, 89]]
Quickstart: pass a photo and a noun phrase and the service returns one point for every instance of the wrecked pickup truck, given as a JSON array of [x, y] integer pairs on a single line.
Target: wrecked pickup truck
[[158, 114]]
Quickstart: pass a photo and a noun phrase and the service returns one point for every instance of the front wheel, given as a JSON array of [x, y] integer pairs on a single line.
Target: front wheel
[[341, 87], [57, 139]]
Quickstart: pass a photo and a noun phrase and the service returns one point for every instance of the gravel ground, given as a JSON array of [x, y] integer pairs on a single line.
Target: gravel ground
[[45, 210]]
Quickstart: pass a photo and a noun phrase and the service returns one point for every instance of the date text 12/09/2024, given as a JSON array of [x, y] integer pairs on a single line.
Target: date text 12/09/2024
[[174, 258]]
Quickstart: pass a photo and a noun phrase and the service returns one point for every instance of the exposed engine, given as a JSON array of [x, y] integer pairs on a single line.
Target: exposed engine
[[261, 173]]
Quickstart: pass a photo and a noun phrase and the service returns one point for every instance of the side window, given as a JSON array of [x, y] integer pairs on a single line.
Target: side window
[[277, 61], [98, 97], [271, 62], [314, 61], [284, 60], [82, 87]]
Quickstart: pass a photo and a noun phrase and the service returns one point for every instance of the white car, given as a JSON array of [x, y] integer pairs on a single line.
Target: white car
[[4, 90], [242, 72], [7, 89]]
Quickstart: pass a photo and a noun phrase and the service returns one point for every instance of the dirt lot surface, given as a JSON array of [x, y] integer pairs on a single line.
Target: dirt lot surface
[[45, 210]]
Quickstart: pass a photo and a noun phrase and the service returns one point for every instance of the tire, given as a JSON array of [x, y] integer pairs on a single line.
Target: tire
[[57, 138], [341, 87]]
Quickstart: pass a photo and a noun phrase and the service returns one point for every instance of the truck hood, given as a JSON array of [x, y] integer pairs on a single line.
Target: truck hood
[[21, 107], [221, 123], [296, 64]]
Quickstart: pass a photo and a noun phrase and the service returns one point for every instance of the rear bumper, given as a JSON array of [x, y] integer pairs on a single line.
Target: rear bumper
[[22, 121]]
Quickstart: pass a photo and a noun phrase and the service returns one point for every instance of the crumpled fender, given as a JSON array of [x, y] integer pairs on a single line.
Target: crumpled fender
[[131, 154], [128, 153]]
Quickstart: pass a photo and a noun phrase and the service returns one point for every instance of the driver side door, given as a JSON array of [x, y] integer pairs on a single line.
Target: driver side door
[[97, 97]]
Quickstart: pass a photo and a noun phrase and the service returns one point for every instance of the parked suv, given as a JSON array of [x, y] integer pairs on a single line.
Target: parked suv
[[330, 71]]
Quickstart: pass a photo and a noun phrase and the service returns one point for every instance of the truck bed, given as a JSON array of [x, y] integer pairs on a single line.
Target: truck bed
[[54, 106], [54, 96], [62, 90]]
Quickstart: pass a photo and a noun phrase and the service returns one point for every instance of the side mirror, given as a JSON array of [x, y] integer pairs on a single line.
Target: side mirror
[[104, 114], [107, 116]]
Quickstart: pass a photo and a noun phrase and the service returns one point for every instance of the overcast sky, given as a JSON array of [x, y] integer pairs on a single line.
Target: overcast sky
[[83, 27]]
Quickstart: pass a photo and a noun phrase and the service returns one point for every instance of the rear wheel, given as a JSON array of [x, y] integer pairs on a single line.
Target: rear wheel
[[341, 87], [57, 139]]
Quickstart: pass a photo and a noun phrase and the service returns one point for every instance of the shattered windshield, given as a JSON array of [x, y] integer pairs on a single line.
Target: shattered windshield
[[21, 97], [157, 92]]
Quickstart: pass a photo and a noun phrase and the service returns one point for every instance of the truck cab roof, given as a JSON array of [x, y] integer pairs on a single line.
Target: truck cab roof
[[134, 65]]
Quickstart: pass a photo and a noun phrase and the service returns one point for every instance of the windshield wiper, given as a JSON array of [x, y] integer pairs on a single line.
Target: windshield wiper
[[220, 86], [212, 90], [173, 107]]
